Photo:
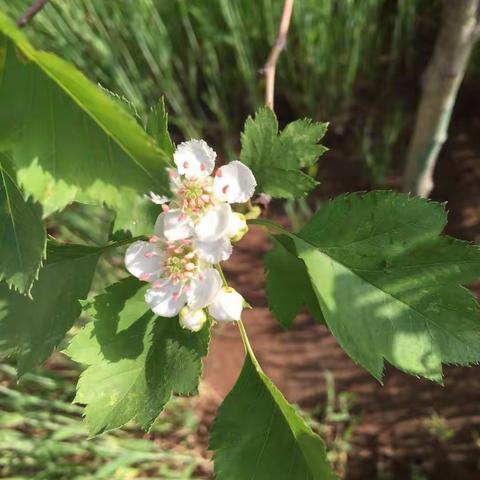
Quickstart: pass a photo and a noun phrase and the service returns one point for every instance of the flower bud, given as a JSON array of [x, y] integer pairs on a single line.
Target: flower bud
[[237, 226], [227, 305], [192, 320]]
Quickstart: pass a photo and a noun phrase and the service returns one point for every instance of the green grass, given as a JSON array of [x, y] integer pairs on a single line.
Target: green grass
[[42, 436], [205, 55]]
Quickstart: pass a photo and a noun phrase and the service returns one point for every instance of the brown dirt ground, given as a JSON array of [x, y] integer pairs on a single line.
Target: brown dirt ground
[[391, 440]]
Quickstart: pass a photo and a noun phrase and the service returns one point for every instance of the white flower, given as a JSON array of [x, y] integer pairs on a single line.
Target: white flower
[[177, 274], [192, 319], [200, 208], [227, 305]]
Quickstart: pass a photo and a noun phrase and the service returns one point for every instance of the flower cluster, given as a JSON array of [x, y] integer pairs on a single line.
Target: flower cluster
[[192, 235]]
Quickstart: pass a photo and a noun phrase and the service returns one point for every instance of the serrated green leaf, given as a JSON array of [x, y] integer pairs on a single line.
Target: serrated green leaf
[[136, 360], [389, 284], [299, 143], [69, 140], [157, 128], [276, 159], [258, 434], [288, 283], [32, 328], [22, 234]]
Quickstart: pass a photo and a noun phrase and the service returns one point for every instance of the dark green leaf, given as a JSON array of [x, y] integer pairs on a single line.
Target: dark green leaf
[[389, 284], [69, 140], [33, 328], [288, 283], [258, 435], [136, 360], [276, 159], [22, 234]]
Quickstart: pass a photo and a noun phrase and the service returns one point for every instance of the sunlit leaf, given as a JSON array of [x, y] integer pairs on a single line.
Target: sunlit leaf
[[69, 139], [389, 284], [276, 158], [135, 359]]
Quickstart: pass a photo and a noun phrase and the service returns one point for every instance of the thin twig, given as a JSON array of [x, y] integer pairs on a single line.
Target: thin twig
[[271, 64], [31, 12]]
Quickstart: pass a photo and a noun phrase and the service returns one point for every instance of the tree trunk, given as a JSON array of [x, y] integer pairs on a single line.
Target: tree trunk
[[442, 79]]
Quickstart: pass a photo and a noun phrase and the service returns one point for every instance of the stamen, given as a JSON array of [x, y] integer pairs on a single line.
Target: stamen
[[182, 217], [165, 208], [144, 277], [218, 173], [185, 165], [225, 189], [149, 254], [154, 239], [205, 198], [202, 167]]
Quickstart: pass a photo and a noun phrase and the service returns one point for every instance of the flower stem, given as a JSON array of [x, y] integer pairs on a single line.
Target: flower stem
[[241, 327], [246, 343], [220, 271]]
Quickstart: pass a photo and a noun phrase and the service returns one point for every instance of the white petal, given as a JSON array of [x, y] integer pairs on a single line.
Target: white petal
[[175, 179], [159, 229], [158, 199], [194, 159], [234, 183], [192, 319], [237, 227], [213, 224], [214, 252], [203, 289], [144, 260], [176, 226], [167, 300], [227, 306]]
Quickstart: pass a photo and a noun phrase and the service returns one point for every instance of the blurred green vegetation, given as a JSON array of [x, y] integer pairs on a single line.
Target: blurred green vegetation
[[42, 435], [345, 61]]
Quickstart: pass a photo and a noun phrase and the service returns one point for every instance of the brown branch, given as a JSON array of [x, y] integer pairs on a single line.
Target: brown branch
[[31, 12], [271, 64]]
